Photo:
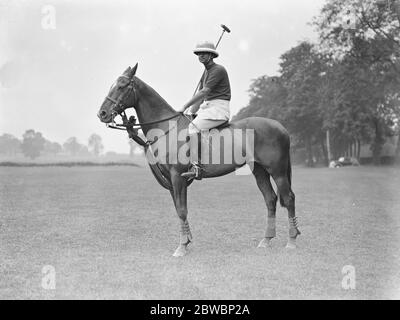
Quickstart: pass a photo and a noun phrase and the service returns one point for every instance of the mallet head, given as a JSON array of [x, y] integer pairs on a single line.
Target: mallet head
[[225, 28]]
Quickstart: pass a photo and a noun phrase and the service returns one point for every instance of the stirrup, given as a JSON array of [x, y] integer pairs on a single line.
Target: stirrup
[[195, 172]]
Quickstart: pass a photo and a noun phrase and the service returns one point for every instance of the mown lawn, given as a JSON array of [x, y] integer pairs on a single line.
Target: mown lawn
[[110, 232]]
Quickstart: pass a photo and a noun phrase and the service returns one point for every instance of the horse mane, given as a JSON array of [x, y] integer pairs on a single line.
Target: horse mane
[[149, 91]]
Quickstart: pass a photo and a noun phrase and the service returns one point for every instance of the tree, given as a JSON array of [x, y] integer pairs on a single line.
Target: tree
[[84, 151], [52, 147], [95, 144], [350, 104], [342, 21], [345, 88], [292, 98], [9, 145], [267, 98], [32, 144], [363, 37], [72, 146], [300, 69]]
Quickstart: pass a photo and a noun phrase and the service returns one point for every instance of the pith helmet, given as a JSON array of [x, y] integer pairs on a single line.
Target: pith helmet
[[206, 47]]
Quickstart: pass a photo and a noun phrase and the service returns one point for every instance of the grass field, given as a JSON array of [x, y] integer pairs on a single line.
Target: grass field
[[110, 232], [65, 160]]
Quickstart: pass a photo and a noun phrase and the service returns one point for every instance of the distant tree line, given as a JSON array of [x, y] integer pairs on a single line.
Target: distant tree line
[[33, 144], [344, 90]]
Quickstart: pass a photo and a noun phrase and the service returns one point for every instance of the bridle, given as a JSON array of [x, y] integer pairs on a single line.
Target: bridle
[[119, 107]]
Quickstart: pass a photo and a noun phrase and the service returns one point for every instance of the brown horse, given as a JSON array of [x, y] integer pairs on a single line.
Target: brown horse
[[269, 152]]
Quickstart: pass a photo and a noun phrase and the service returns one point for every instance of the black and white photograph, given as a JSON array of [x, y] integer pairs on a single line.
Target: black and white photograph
[[217, 151]]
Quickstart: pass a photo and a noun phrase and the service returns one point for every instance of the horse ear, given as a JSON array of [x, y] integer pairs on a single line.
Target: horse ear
[[127, 70], [133, 70]]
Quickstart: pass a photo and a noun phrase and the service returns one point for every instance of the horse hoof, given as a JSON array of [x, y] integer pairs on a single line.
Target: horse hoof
[[291, 245], [264, 243], [180, 252]]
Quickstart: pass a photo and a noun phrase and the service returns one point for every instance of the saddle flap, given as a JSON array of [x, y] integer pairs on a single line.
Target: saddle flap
[[223, 125]]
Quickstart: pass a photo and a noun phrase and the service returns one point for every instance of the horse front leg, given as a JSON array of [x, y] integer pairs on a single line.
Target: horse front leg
[[179, 195]]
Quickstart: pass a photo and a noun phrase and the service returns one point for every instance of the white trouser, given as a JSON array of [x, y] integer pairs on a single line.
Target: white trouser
[[203, 124]]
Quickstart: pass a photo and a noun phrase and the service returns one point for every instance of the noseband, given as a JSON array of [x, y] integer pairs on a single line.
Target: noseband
[[118, 106]]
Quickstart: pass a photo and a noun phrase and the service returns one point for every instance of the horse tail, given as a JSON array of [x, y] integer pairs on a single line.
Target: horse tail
[[289, 177], [289, 171]]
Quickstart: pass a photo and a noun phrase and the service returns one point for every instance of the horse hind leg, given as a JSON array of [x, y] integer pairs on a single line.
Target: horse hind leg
[[264, 184], [287, 200]]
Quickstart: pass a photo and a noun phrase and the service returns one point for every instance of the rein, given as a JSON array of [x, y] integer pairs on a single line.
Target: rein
[[119, 109], [123, 115], [131, 126]]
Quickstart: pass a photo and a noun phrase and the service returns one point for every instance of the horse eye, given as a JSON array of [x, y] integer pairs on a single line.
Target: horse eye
[[123, 83]]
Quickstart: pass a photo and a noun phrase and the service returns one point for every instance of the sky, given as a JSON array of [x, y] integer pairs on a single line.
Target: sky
[[58, 59]]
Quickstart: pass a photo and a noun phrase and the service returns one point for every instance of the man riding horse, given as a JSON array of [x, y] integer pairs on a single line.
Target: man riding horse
[[211, 102], [270, 145]]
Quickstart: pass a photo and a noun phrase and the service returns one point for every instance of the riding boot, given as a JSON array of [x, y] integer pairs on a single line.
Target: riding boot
[[196, 169], [194, 172]]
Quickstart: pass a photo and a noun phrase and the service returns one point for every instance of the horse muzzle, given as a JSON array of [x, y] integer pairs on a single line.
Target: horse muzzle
[[105, 117]]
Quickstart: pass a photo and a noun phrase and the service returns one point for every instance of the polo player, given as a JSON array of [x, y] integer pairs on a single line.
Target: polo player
[[210, 103]]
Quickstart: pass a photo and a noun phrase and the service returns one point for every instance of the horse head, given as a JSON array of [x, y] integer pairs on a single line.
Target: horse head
[[122, 95]]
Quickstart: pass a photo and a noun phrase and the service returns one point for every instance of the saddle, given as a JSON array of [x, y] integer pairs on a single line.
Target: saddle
[[219, 127], [223, 125]]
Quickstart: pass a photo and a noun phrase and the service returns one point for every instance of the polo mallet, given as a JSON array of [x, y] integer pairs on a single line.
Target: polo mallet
[[224, 29]]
